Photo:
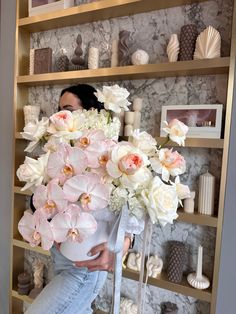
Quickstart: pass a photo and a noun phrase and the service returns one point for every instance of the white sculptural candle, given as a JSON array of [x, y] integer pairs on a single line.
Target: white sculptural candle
[[129, 121], [206, 194], [189, 203], [197, 279], [137, 107], [93, 58]]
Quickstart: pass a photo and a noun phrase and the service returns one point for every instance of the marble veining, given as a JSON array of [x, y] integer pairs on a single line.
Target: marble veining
[[159, 25]]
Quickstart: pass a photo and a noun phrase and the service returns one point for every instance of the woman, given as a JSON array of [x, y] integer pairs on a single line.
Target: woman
[[76, 285]]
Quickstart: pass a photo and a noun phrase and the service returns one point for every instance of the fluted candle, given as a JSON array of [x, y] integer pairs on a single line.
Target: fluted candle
[[206, 194], [93, 58]]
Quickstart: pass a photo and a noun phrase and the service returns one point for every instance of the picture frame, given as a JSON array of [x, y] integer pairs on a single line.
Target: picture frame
[[204, 120], [36, 7]]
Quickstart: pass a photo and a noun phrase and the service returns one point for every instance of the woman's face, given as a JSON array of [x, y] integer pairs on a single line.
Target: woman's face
[[69, 101]]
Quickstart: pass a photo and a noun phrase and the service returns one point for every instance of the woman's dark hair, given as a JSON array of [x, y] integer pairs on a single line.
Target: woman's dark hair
[[85, 93]]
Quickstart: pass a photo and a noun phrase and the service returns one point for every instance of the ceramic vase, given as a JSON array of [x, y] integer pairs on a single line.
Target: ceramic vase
[[75, 251]]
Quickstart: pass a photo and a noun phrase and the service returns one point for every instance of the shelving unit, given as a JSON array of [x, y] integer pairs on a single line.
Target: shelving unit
[[147, 71], [102, 10]]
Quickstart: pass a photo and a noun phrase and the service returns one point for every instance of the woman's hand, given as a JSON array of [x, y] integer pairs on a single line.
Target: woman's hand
[[105, 259]]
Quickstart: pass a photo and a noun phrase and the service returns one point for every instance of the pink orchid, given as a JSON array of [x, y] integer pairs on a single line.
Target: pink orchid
[[73, 225], [66, 162], [92, 142], [35, 229], [50, 199], [89, 190]]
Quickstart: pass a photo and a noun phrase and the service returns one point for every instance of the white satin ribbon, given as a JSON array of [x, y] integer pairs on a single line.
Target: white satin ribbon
[[115, 244]]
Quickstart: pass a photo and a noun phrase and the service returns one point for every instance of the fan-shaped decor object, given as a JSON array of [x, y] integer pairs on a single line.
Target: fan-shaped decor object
[[173, 48], [208, 44]]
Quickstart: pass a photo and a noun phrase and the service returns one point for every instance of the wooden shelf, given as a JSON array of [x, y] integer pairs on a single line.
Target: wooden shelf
[[196, 142], [24, 245], [18, 136], [100, 10], [197, 219], [162, 282], [17, 190], [147, 71], [23, 298]]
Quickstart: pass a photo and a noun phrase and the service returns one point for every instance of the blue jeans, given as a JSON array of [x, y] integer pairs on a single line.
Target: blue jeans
[[71, 291]]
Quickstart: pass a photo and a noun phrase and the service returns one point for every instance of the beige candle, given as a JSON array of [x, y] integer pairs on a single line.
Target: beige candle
[[137, 107], [93, 58], [206, 194], [114, 53]]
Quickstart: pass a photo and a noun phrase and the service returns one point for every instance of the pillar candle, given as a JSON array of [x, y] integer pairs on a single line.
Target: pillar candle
[[137, 107], [189, 203], [121, 117], [114, 53], [93, 58], [31, 113], [206, 194]]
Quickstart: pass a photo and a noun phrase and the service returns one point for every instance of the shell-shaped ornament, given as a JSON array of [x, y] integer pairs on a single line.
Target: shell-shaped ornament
[[208, 44], [173, 48]]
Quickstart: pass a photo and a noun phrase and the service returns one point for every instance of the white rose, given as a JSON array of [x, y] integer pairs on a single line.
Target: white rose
[[114, 98], [177, 131], [161, 201], [33, 172], [34, 132], [144, 141]]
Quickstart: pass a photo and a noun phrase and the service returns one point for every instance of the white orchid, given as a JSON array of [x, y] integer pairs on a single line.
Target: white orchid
[[114, 98]]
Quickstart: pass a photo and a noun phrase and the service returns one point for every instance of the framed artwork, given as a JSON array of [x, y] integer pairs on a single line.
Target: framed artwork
[[36, 7], [204, 121]]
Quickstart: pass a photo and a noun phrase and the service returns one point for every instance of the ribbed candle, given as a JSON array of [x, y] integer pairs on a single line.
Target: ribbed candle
[[206, 194]]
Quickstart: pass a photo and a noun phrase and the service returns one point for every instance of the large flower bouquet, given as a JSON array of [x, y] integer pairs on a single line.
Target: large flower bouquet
[[85, 169]]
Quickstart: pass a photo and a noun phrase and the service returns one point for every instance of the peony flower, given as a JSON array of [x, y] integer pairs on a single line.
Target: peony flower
[[181, 189], [129, 165], [144, 141], [114, 98], [63, 125], [36, 230], [49, 200], [34, 132], [177, 131], [168, 163], [88, 189], [33, 172], [161, 201], [73, 225], [66, 162]]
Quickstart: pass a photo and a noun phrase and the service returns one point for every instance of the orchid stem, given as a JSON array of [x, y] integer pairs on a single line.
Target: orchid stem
[[109, 117]]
